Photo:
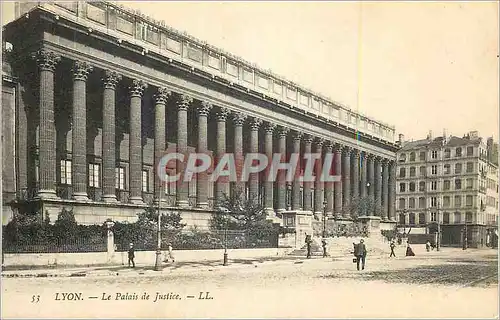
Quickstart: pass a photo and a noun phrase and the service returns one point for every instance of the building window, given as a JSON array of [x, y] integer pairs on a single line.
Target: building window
[[421, 218], [422, 171], [469, 184], [422, 156], [434, 154], [412, 171], [447, 169], [145, 181], [458, 152], [458, 201], [412, 156], [433, 217], [192, 188], [470, 167], [171, 186], [402, 187], [412, 186], [458, 168], [402, 203], [411, 218], [446, 202], [457, 217], [94, 174], [65, 171], [434, 169], [421, 186], [446, 185], [434, 185], [402, 157], [470, 151], [468, 201], [458, 184], [447, 153], [421, 202], [402, 172], [468, 217], [433, 202], [401, 218], [446, 217], [120, 178], [411, 203]]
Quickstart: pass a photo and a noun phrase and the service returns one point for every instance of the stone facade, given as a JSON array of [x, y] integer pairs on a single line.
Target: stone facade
[[115, 90]]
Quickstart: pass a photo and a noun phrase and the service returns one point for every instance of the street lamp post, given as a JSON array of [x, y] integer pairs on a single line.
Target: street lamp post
[[224, 263], [438, 241], [464, 246], [366, 204], [158, 245], [323, 241]]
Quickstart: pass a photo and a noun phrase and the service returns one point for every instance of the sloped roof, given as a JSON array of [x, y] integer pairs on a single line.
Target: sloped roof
[[453, 141]]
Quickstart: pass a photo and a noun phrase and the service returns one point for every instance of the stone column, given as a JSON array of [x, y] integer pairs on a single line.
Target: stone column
[[110, 80], [385, 189], [355, 174], [318, 184], [202, 177], [238, 121], [161, 98], [47, 62], [370, 179], [364, 165], [183, 105], [135, 141], [254, 148], [222, 183], [296, 178], [80, 71], [338, 184], [268, 184], [307, 185], [378, 186], [392, 190], [281, 176], [346, 187], [329, 184]]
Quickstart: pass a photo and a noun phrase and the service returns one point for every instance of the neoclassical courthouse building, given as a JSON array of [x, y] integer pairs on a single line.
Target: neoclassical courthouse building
[[93, 94]]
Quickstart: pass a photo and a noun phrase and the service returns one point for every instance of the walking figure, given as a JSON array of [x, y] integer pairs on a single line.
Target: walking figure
[[428, 246], [323, 242], [360, 253], [131, 255], [393, 245], [170, 254], [308, 243]]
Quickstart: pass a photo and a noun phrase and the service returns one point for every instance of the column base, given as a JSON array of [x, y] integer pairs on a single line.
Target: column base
[[182, 203], [110, 198], [136, 200], [202, 205], [270, 214], [80, 196], [47, 194]]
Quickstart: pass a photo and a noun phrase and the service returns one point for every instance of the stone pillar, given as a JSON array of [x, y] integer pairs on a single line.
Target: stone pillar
[[355, 174], [392, 190], [296, 178], [378, 186], [222, 183], [47, 62], [80, 71], [370, 177], [337, 191], [318, 184], [346, 188], [364, 165], [329, 184], [160, 97], [307, 185], [183, 104], [238, 121], [202, 147], [268, 184], [135, 141], [385, 189], [281, 176], [110, 80], [254, 148]]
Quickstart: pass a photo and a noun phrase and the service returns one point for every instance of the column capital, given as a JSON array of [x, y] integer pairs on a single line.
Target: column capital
[[338, 148], [204, 108], [239, 118], [184, 102], [222, 114], [308, 139], [369, 155], [137, 88], [81, 70], [297, 135], [282, 131], [319, 141], [385, 161], [328, 145], [255, 123], [46, 60], [356, 153], [347, 150], [161, 95], [269, 127], [111, 79]]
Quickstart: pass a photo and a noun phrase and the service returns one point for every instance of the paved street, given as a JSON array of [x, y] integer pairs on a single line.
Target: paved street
[[447, 284]]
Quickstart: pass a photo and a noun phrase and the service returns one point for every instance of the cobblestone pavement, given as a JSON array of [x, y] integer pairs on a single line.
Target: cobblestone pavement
[[456, 284]]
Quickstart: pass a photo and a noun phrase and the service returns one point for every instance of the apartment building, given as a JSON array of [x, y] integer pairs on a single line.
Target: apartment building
[[452, 181]]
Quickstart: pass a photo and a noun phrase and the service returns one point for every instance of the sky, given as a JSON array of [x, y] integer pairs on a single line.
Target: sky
[[420, 66]]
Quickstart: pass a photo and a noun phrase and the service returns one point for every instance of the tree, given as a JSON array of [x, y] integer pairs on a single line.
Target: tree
[[65, 227]]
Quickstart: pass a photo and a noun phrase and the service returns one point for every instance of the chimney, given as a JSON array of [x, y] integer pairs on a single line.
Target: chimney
[[401, 139], [429, 136], [444, 133]]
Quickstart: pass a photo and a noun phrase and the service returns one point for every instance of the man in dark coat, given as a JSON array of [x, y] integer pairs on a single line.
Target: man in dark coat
[[308, 244], [360, 253], [131, 255], [393, 245]]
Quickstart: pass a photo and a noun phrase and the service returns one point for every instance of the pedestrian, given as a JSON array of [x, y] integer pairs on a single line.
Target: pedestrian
[[170, 253], [409, 251], [393, 245], [131, 255], [360, 253], [428, 246], [323, 242], [308, 244]]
